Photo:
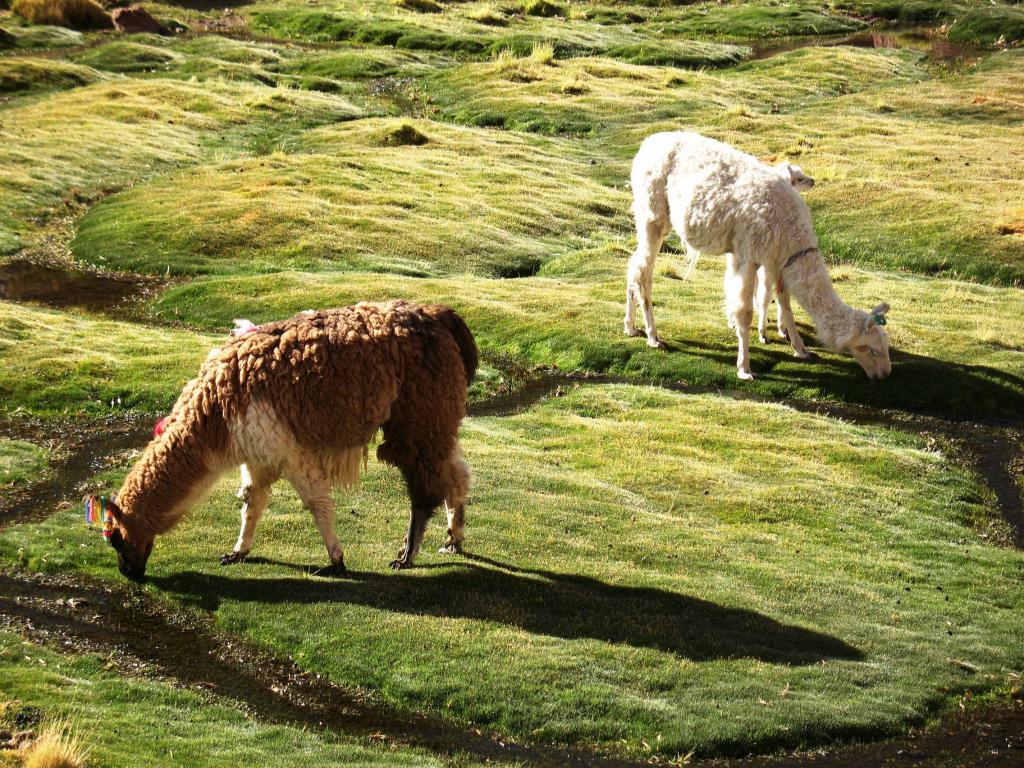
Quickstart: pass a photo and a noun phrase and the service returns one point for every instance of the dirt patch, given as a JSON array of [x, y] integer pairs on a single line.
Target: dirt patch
[[54, 285]]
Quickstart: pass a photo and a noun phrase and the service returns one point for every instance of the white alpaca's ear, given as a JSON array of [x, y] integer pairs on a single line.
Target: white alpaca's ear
[[786, 170], [877, 316]]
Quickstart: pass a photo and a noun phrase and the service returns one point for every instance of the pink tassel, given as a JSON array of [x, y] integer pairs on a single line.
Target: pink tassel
[[158, 428], [243, 327]]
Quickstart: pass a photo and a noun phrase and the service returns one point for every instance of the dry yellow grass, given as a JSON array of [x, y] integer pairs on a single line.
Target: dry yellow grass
[[77, 14], [58, 745]]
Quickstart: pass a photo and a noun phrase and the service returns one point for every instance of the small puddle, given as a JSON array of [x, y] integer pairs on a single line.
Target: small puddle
[[60, 286], [937, 48]]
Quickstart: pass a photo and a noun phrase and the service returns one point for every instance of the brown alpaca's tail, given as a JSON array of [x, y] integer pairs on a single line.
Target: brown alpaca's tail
[[462, 335]]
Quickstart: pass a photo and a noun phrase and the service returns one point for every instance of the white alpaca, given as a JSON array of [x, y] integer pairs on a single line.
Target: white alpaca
[[723, 201]]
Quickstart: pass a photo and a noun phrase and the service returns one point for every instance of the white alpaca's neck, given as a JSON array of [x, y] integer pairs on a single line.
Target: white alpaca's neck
[[808, 281]]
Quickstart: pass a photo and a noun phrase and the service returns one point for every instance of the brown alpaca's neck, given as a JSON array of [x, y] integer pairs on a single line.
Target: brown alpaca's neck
[[808, 281], [174, 473]]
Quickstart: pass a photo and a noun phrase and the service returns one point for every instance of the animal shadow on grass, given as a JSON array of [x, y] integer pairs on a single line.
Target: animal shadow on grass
[[918, 384], [539, 601]]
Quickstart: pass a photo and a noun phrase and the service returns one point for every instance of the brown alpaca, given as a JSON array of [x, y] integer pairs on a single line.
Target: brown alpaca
[[301, 399]]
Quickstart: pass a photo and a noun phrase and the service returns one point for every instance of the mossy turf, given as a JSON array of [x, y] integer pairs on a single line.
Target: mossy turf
[[387, 195], [644, 566], [27, 75], [62, 364], [109, 710]]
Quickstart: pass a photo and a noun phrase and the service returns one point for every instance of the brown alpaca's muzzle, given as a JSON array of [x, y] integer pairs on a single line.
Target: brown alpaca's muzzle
[[131, 556]]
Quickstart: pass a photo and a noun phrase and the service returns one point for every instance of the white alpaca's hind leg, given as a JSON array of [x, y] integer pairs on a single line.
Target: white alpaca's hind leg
[[739, 299], [788, 324], [763, 302], [640, 278]]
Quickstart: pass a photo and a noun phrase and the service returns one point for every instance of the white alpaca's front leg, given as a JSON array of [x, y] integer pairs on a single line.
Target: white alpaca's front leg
[[788, 323]]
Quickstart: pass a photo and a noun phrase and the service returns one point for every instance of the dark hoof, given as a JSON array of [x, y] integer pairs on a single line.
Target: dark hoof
[[233, 557], [337, 571], [399, 565]]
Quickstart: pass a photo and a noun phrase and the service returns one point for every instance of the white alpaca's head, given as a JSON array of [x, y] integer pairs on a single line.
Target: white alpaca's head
[[795, 175], [869, 343]]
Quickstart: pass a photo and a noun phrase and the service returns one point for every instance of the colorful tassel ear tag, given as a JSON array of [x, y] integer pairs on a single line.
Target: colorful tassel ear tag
[[98, 513], [879, 319]]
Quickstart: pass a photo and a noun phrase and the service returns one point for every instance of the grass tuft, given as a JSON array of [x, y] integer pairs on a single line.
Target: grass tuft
[[420, 6], [76, 14], [58, 745], [543, 8], [405, 135], [488, 15]]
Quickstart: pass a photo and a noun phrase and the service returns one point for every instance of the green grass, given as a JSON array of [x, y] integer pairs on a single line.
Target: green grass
[[15, 36], [966, 362], [20, 462], [1000, 23], [26, 75], [685, 571], [111, 712], [377, 195], [937, 207], [639, 554]]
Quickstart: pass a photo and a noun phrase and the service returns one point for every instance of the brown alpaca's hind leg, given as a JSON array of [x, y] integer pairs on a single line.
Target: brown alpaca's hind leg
[[456, 530], [431, 480]]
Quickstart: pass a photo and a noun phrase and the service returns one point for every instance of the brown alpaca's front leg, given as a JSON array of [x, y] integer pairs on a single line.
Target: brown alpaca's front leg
[[255, 495], [315, 491]]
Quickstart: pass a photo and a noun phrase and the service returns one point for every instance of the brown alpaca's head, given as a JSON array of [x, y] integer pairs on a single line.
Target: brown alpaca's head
[[133, 548], [869, 344]]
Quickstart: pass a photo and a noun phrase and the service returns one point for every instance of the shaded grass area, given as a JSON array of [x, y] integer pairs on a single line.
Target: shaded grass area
[[20, 462], [824, 591], [377, 195], [998, 23], [57, 363], [128, 720], [60, 150]]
